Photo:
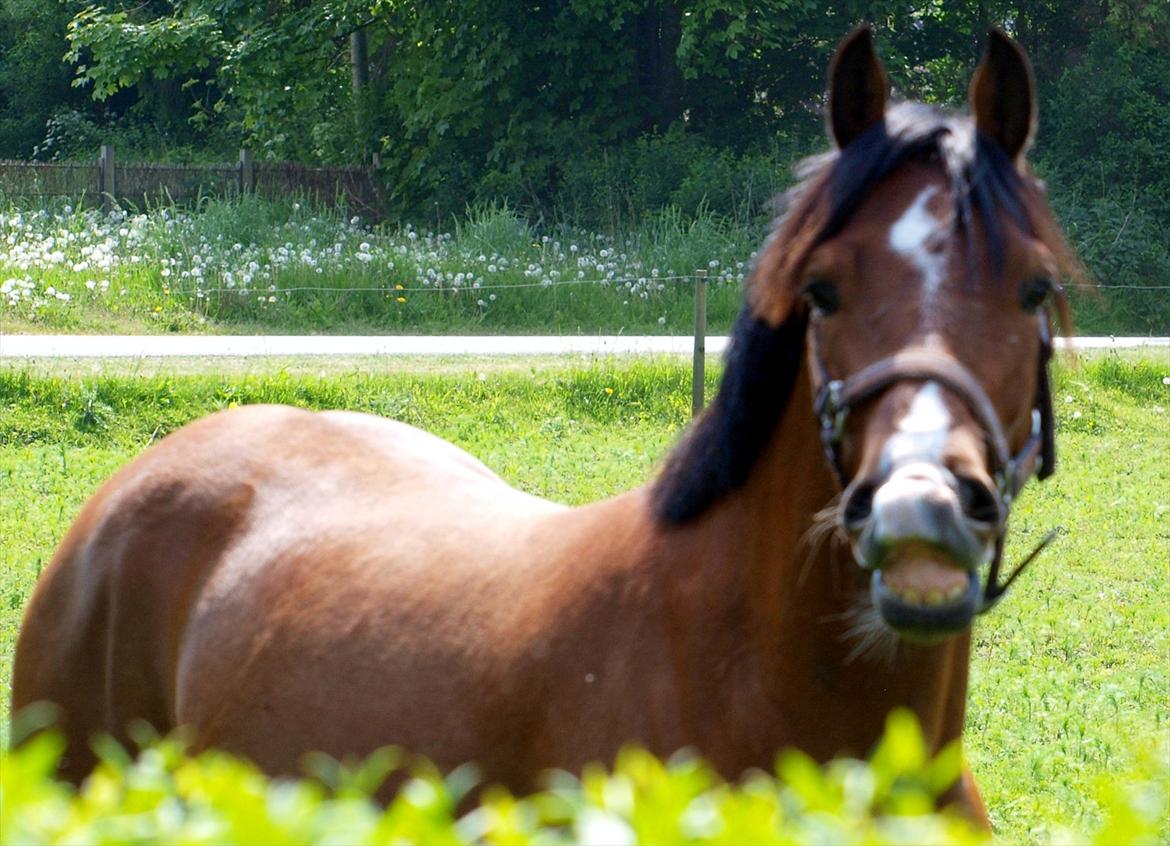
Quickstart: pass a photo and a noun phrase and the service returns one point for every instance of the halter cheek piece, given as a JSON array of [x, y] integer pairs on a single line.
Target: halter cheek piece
[[837, 397]]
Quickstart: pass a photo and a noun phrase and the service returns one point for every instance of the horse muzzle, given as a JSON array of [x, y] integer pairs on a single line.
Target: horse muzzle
[[924, 533]]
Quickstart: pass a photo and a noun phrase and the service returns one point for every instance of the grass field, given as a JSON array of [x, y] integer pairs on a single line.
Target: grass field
[[1071, 674], [250, 265]]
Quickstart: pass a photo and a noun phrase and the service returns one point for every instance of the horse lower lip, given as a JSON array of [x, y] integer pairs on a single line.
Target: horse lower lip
[[930, 618]]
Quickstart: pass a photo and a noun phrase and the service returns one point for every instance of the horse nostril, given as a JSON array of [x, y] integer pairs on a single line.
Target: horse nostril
[[978, 501], [857, 506]]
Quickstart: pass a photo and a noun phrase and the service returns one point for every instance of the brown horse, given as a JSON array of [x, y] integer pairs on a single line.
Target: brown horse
[[282, 581]]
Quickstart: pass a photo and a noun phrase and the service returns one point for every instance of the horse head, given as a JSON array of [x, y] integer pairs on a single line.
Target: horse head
[[928, 290], [916, 272]]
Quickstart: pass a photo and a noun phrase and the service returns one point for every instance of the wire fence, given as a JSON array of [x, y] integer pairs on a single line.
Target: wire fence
[[441, 288], [512, 286]]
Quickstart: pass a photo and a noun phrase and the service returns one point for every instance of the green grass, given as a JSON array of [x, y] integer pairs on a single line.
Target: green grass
[[1070, 680], [249, 265]]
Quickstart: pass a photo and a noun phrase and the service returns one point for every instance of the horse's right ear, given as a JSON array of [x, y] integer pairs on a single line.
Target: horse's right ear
[[1003, 95], [858, 87]]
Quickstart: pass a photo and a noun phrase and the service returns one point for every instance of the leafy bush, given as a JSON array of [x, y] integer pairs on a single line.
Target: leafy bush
[[616, 186], [1125, 248], [165, 796]]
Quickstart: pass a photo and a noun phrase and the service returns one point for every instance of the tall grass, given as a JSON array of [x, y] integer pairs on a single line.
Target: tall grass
[[245, 265]]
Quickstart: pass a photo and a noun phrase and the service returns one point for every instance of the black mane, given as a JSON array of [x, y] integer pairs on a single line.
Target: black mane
[[717, 455]]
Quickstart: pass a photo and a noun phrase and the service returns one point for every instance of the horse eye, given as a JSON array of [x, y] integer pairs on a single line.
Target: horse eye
[[1034, 292], [822, 295]]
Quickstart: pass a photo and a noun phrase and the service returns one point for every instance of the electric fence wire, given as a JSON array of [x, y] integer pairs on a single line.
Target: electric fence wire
[[396, 290]]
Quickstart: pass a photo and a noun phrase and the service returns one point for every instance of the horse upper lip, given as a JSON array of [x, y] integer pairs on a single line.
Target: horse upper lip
[[919, 505]]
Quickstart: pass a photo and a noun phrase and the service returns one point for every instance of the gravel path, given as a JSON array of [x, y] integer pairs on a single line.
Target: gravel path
[[160, 346]]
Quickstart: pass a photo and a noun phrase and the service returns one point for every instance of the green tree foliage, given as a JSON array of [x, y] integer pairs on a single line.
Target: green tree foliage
[[564, 107], [275, 72], [34, 81]]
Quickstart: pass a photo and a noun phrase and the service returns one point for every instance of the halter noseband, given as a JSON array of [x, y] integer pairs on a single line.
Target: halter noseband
[[837, 397]]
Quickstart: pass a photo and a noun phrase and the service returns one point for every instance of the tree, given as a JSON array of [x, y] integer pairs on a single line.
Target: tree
[[509, 97], [34, 82]]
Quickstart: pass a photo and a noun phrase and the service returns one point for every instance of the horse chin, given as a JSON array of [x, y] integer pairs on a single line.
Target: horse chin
[[923, 597]]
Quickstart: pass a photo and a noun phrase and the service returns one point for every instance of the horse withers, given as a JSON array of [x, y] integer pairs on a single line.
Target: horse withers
[[279, 581]]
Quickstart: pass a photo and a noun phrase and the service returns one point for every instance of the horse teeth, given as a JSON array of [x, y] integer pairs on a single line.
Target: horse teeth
[[955, 592], [935, 597], [911, 595]]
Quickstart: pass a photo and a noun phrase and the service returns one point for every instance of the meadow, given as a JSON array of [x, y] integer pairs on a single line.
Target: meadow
[[247, 265], [1070, 688]]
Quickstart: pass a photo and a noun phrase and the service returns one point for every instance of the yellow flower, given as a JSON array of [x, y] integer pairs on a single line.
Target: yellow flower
[[608, 391], [398, 288], [402, 299]]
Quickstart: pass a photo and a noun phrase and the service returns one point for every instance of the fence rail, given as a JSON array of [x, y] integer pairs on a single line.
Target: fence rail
[[107, 180]]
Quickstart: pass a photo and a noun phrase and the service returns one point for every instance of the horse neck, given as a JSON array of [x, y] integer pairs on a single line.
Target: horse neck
[[775, 612]]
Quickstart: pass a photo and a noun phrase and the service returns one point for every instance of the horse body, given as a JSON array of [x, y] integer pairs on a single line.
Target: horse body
[[280, 581], [498, 628]]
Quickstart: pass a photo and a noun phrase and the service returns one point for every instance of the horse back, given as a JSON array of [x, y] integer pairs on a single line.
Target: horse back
[[107, 628]]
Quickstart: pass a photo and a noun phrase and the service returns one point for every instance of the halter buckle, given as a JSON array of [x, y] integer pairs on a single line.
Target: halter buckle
[[833, 412]]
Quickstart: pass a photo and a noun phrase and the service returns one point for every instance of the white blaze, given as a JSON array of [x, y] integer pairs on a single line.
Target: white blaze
[[924, 428], [909, 238]]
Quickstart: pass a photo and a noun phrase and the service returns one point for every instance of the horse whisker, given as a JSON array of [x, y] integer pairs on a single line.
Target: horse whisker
[[822, 530], [870, 634]]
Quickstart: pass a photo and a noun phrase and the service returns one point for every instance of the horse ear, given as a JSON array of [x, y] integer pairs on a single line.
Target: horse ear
[[858, 87], [1003, 95]]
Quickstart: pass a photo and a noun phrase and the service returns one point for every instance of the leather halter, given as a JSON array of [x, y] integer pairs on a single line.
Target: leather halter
[[837, 397]]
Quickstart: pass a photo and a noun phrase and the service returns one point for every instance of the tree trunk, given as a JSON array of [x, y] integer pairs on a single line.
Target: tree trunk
[[669, 76], [657, 31], [359, 56]]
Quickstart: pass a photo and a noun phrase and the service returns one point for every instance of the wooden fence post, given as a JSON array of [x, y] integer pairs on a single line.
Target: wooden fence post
[[247, 173], [107, 179], [698, 394]]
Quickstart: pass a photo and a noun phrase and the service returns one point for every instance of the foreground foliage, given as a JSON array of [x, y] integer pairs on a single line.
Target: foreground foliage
[[164, 796]]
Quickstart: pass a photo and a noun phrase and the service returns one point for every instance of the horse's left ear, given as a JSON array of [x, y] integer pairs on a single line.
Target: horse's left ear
[[1003, 95], [858, 87]]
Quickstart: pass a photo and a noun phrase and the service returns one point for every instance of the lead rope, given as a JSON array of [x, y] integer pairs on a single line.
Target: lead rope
[[994, 590]]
